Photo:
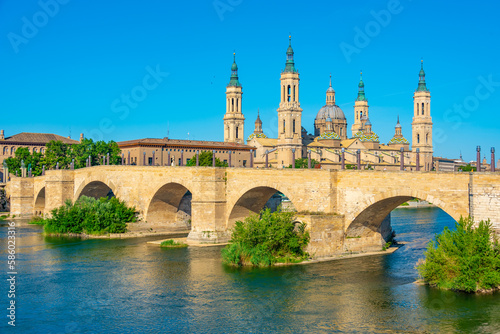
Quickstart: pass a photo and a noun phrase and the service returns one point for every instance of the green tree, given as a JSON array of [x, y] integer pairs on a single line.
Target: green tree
[[262, 240], [205, 159], [467, 259], [34, 160], [303, 163], [57, 152], [467, 168]]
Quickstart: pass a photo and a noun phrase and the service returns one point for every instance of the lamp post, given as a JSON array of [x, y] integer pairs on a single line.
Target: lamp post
[[213, 158], [251, 158], [197, 158], [309, 159], [493, 159], [293, 158], [229, 164], [401, 159], [417, 160], [342, 159], [358, 158], [153, 163], [182, 158], [478, 159]]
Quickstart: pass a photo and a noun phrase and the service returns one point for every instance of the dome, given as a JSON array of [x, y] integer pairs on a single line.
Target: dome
[[332, 111], [253, 135], [234, 67], [401, 140], [330, 90], [363, 137], [329, 135]]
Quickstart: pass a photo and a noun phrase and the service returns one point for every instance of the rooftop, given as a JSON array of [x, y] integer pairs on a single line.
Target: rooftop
[[183, 143], [38, 138]]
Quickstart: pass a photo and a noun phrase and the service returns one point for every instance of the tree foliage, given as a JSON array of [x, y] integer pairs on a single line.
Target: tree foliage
[[59, 152], [467, 259], [91, 216], [205, 159], [265, 239], [467, 168], [303, 163]]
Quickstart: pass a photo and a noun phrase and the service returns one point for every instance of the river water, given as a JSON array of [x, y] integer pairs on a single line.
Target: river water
[[68, 285]]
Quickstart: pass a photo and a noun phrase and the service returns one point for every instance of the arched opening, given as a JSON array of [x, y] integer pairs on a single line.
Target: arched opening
[[170, 208], [256, 199], [372, 228], [39, 207], [97, 189]]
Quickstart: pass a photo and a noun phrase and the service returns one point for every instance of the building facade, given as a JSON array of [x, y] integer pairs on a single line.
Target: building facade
[[331, 140]]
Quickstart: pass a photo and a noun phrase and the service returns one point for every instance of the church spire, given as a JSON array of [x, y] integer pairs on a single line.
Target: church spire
[[330, 94], [421, 79], [290, 65], [234, 73], [361, 89]]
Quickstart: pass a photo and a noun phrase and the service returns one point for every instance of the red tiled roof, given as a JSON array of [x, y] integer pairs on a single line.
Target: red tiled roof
[[37, 138], [183, 143]]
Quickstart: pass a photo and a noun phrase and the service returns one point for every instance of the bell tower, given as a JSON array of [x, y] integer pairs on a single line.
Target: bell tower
[[289, 113], [360, 108], [422, 121], [234, 121]]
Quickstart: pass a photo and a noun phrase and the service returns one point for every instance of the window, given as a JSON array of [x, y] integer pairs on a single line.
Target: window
[[426, 138], [5, 150], [12, 150], [34, 149], [244, 163], [418, 109], [150, 161], [423, 113], [418, 138], [232, 104], [237, 109], [283, 126], [294, 93], [293, 126], [237, 132], [180, 161], [289, 92]]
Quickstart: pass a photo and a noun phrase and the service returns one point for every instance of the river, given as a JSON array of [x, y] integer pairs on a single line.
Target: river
[[68, 285]]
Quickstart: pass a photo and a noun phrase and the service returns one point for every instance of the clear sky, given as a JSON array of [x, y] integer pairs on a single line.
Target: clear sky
[[71, 66]]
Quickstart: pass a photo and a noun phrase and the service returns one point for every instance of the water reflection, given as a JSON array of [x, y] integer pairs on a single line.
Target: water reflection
[[72, 285]]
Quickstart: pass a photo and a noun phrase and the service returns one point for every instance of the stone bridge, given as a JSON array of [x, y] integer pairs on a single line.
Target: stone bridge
[[345, 210]]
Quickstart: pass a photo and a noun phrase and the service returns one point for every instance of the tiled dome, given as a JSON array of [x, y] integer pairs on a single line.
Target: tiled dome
[[401, 140], [253, 135], [329, 135]]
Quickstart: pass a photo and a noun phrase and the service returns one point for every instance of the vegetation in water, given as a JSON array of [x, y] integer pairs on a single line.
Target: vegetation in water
[[90, 216], [205, 159], [467, 259], [37, 220], [59, 152], [172, 244], [266, 239]]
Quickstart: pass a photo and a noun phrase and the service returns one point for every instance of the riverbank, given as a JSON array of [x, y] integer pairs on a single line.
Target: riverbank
[[389, 250]]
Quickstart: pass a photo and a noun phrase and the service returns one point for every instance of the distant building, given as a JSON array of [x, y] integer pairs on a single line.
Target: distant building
[[330, 136], [35, 142], [156, 152]]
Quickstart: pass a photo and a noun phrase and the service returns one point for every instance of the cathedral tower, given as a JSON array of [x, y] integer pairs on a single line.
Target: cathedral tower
[[289, 113], [234, 120], [422, 122], [360, 108]]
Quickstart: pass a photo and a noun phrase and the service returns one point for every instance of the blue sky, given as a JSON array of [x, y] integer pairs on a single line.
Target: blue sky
[[69, 65]]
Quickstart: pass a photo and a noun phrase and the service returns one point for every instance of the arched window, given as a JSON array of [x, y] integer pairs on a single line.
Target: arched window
[[232, 104], [237, 109], [418, 138], [237, 132], [12, 150], [34, 149], [294, 93], [289, 93], [423, 113], [418, 106], [283, 126], [426, 138], [293, 126], [5, 150]]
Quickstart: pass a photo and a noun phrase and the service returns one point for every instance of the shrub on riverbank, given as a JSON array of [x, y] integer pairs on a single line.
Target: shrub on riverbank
[[467, 259], [266, 239], [91, 216]]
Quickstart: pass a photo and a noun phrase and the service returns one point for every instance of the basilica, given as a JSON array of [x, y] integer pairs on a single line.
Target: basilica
[[331, 139]]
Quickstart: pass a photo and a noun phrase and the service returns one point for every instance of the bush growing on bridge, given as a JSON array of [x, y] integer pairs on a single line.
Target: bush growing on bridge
[[467, 259], [265, 239], [91, 216]]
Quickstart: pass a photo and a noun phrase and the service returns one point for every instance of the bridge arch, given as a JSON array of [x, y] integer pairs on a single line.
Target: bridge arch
[[96, 189], [39, 207], [370, 216], [252, 200], [170, 207]]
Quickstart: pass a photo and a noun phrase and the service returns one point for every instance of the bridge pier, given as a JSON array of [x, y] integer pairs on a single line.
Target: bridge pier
[[20, 190]]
